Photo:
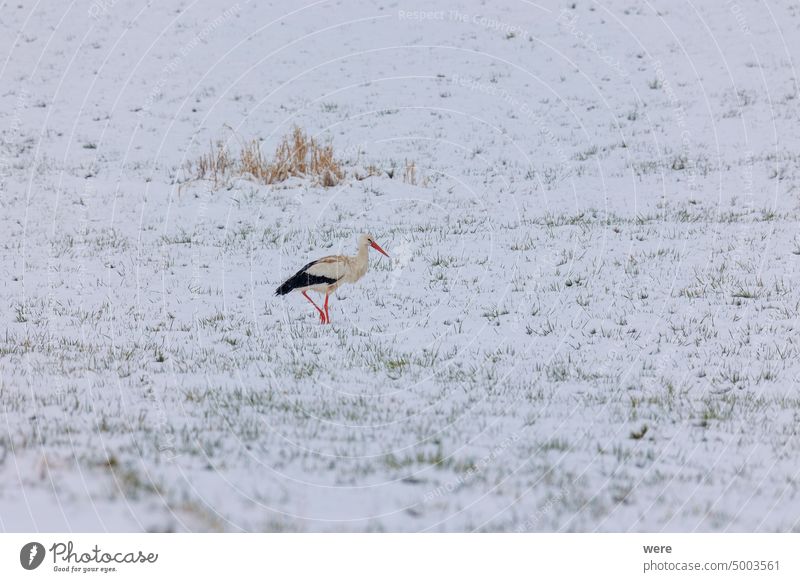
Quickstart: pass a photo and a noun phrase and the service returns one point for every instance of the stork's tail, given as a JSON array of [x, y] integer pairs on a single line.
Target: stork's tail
[[285, 288]]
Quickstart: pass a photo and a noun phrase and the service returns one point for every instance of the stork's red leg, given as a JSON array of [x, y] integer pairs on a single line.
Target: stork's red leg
[[321, 313], [327, 317]]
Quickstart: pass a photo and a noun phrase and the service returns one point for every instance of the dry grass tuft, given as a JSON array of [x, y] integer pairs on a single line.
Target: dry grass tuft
[[297, 155], [369, 172], [410, 173], [214, 165]]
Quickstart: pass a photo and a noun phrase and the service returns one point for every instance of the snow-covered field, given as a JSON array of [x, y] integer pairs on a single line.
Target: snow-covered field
[[589, 321]]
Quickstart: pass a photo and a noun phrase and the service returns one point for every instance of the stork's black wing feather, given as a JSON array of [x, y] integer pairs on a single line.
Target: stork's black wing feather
[[303, 279]]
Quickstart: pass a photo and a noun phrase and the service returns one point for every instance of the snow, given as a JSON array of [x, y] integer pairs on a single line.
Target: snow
[[588, 322]]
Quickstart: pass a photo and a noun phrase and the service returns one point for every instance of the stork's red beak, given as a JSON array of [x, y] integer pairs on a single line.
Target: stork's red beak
[[375, 246]]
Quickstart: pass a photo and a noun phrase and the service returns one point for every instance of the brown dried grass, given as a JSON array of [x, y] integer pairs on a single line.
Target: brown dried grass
[[297, 155], [410, 173]]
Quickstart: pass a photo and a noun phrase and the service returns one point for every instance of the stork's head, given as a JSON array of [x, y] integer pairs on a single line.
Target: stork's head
[[366, 240]]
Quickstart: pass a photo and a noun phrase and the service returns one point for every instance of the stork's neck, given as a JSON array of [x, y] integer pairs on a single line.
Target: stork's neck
[[362, 257]]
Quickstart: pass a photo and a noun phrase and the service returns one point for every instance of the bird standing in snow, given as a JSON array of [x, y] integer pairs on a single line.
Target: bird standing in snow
[[325, 275]]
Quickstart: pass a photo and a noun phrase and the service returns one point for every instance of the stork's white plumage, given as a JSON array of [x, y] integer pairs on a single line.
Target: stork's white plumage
[[327, 274]]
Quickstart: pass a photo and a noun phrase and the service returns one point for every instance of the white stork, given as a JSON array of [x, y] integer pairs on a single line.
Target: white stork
[[325, 275]]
